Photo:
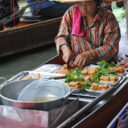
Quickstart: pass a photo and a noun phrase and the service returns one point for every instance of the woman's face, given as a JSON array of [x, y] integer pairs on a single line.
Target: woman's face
[[88, 8]]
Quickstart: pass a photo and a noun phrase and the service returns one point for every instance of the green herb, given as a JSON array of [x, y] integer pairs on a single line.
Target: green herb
[[102, 72], [105, 64], [76, 75], [87, 85]]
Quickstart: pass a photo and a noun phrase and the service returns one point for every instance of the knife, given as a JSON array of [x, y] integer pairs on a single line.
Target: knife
[[56, 77]]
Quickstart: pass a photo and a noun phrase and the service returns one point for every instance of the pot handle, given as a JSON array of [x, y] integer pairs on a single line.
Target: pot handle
[[3, 79], [20, 74], [70, 93]]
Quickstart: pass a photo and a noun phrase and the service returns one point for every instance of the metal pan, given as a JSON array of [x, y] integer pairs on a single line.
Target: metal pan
[[10, 92]]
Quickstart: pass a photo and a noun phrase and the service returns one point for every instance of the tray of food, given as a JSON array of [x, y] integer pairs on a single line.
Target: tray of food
[[42, 75], [45, 71], [93, 78]]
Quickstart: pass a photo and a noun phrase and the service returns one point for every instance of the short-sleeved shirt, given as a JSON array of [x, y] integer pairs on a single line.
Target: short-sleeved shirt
[[102, 36]]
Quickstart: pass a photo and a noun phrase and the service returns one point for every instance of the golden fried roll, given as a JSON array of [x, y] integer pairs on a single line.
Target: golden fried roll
[[65, 66], [99, 87], [77, 84], [104, 78], [37, 76], [90, 77], [26, 78], [86, 78], [94, 86], [92, 71], [85, 71], [64, 70], [106, 86], [119, 70], [114, 78], [111, 68]]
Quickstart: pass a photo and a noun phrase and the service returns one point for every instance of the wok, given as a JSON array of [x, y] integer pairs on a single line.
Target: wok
[[9, 93]]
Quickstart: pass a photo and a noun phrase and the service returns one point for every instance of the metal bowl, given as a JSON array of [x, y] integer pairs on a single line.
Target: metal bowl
[[12, 94]]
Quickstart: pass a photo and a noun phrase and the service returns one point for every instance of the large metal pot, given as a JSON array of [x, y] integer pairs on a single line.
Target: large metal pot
[[9, 94]]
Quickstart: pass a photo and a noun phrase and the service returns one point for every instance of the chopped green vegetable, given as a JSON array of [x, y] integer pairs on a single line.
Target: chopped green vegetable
[[76, 75], [102, 72], [87, 85], [105, 64]]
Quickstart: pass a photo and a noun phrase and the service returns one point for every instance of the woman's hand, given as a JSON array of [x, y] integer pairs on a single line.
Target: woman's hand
[[67, 53], [84, 58], [80, 60]]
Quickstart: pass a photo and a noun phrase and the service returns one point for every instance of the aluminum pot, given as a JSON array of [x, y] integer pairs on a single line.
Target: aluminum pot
[[9, 93]]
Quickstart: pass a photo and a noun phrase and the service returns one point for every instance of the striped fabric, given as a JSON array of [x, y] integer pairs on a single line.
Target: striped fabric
[[123, 120], [103, 35]]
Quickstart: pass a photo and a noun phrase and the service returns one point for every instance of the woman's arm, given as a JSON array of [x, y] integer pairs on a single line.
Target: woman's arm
[[110, 46], [63, 36], [62, 40]]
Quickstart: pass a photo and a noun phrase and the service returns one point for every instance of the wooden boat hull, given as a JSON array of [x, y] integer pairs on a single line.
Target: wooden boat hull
[[104, 115], [28, 37], [100, 116]]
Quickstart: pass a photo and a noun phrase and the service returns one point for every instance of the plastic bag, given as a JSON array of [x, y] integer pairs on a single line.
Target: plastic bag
[[11, 117]]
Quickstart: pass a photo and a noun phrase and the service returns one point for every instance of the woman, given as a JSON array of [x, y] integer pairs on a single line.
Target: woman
[[88, 33]]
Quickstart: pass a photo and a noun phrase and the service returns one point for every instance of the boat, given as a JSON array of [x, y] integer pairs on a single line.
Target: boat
[[100, 112], [27, 37], [31, 32], [94, 111]]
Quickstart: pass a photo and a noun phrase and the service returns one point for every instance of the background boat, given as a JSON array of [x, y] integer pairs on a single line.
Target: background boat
[[19, 39]]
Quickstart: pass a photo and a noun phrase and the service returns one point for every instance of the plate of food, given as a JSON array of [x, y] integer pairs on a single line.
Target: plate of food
[[95, 87], [64, 69], [110, 79], [42, 75], [98, 87]]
